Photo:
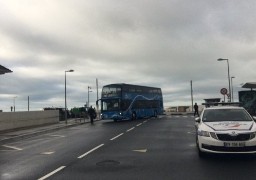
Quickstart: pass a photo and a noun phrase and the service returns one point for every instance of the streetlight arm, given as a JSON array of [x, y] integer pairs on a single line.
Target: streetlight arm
[[221, 59]]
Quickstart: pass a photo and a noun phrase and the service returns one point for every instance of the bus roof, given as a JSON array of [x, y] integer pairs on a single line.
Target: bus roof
[[131, 85]]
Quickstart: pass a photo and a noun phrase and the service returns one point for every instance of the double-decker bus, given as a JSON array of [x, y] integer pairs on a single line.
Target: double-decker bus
[[129, 102]]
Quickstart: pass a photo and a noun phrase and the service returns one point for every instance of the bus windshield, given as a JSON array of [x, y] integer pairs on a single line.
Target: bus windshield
[[111, 91], [110, 105]]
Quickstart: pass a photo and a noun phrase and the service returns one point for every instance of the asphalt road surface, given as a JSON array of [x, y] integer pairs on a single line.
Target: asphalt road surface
[[157, 149]]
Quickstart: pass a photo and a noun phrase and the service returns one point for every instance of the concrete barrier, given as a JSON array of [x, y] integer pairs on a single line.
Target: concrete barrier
[[15, 120]]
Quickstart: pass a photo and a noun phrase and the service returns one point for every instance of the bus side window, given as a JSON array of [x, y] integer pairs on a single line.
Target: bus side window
[[125, 104]]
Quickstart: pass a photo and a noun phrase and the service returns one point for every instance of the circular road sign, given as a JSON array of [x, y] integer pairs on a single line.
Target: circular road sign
[[223, 91]]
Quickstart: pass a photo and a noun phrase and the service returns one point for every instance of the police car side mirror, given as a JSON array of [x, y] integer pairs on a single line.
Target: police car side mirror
[[197, 119]]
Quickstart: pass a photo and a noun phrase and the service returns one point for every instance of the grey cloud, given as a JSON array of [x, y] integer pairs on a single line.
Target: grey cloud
[[164, 44]]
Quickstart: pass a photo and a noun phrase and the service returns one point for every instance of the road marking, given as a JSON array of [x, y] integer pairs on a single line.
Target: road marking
[[145, 121], [52, 173], [48, 153], [85, 154], [56, 135], [116, 136], [139, 124], [13, 147], [130, 129], [141, 150]]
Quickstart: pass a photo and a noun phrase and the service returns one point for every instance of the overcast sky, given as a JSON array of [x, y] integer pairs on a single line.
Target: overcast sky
[[163, 43]]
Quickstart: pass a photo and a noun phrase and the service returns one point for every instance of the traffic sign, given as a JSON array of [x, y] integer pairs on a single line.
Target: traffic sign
[[223, 91]]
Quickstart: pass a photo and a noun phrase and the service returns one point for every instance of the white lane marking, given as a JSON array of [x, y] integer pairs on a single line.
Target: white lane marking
[[116, 136], [85, 154], [13, 147], [145, 121], [51, 173], [48, 153], [130, 129], [139, 124], [56, 135]]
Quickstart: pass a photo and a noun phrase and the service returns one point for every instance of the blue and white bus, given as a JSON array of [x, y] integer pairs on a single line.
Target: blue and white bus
[[129, 102]]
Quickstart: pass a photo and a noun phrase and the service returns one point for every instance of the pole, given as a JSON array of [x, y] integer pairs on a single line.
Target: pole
[[97, 86], [14, 104], [71, 70], [89, 96], [229, 83], [97, 89], [28, 103], [97, 104], [232, 90], [65, 99], [191, 85]]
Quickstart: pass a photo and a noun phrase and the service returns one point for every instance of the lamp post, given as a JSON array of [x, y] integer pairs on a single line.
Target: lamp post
[[14, 103], [221, 59], [71, 70], [232, 88], [88, 96]]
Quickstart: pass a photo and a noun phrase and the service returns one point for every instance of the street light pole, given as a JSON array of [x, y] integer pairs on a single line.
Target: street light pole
[[71, 70], [88, 96], [14, 103], [221, 59], [232, 88]]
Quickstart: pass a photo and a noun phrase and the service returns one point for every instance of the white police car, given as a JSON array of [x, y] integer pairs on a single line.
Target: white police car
[[225, 129]]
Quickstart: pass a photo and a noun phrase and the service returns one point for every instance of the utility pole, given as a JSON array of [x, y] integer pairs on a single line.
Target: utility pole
[[97, 102], [97, 87], [28, 103], [191, 85], [89, 87]]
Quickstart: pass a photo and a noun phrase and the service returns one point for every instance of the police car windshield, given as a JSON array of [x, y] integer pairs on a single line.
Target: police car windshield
[[213, 115]]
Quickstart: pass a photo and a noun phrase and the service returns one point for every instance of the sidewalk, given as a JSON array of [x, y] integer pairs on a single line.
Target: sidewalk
[[12, 135]]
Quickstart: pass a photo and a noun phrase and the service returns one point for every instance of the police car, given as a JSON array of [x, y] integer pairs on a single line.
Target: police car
[[225, 129]]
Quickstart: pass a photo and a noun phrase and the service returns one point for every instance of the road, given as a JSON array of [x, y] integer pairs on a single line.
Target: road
[[162, 148]]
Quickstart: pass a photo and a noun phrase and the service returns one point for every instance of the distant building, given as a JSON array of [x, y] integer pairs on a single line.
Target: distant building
[[183, 108]]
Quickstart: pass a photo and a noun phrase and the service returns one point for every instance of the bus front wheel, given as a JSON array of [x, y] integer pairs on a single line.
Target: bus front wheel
[[155, 114], [134, 116]]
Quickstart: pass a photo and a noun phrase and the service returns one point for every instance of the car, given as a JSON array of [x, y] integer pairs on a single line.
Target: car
[[225, 129]]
